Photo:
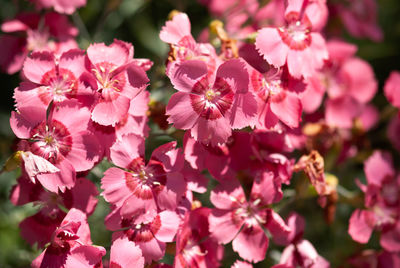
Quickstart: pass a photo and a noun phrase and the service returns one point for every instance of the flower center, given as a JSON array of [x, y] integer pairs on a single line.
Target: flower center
[[51, 141], [142, 232], [57, 85], [143, 180], [211, 94], [211, 102], [249, 213], [296, 35], [110, 82]]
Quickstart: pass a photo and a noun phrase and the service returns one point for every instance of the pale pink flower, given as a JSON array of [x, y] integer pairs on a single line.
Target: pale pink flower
[[211, 105], [296, 44], [70, 245]]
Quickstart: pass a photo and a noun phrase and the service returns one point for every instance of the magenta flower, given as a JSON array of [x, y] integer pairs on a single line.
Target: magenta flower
[[116, 79], [70, 245], [143, 187], [242, 221], [297, 43], [211, 105], [64, 141]]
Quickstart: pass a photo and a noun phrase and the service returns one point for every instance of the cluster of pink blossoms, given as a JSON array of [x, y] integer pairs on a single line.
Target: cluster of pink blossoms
[[245, 107]]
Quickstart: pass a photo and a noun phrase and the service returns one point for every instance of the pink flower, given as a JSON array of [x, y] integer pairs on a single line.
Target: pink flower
[[150, 236], [393, 132], [211, 105], [196, 181], [260, 154], [242, 221], [299, 252], [135, 121], [241, 264], [176, 29], [392, 88], [24, 35], [61, 6], [297, 43], [369, 257], [39, 227], [143, 188], [201, 156], [235, 14], [192, 250], [62, 140], [116, 80], [277, 100], [348, 81], [125, 254], [50, 78], [382, 200], [360, 18], [177, 33], [70, 245]]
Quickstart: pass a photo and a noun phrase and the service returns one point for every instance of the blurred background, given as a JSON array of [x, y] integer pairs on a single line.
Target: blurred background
[[139, 22]]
